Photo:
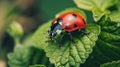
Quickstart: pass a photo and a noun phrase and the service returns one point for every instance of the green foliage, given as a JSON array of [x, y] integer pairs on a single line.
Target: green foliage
[[98, 7], [20, 57], [109, 40], [107, 46], [111, 64], [26, 55], [118, 4], [38, 65], [15, 29], [114, 16]]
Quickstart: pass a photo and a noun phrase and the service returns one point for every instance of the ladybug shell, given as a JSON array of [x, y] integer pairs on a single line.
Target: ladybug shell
[[71, 21]]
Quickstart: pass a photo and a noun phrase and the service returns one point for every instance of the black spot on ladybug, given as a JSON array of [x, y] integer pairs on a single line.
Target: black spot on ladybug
[[59, 20], [84, 21], [74, 15], [75, 25]]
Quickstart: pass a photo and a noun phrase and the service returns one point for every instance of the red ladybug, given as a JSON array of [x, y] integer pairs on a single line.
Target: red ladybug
[[69, 22]]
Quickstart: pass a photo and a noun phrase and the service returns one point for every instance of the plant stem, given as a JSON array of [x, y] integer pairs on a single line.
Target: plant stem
[[17, 41]]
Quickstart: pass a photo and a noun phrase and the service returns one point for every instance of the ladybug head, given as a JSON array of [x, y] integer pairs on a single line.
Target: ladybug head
[[54, 30]]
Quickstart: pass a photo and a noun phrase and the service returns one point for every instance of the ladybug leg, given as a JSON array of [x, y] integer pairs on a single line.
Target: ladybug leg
[[71, 37], [50, 40], [60, 41]]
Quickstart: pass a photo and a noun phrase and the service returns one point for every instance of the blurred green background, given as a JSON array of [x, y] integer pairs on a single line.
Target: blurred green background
[[29, 14]]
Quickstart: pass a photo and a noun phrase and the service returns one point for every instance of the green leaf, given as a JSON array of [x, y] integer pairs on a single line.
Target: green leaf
[[97, 13], [107, 46], [111, 64], [20, 57], [90, 4], [38, 65], [114, 16], [26, 55], [98, 7], [110, 38], [118, 4], [69, 55]]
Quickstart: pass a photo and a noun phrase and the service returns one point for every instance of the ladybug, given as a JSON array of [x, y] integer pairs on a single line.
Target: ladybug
[[69, 22]]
